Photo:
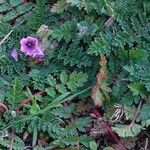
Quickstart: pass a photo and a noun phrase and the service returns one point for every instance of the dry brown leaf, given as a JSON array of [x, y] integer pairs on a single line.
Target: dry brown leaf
[[98, 129], [25, 135], [101, 77], [3, 107], [84, 106]]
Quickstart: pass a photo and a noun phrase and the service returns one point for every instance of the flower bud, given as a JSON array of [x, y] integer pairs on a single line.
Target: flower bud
[[43, 32], [13, 113]]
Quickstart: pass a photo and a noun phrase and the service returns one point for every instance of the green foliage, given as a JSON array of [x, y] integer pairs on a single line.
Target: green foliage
[[7, 65], [145, 115], [64, 112], [39, 15], [127, 131], [108, 148], [126, 42], [93, 145], [17, 145], [98, 46], [65, 31], [83, 139], [15, 94], [59, 7], [57, 129], [87, 5], [76, 80], [71, 56], [61, 84], [81, 31], [14, 9]]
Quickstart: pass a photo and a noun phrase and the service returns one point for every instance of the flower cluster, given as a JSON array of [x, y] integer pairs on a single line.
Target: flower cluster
[[31, 47]]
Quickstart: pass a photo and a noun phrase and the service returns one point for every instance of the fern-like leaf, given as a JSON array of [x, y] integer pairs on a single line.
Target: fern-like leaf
[[126, 131]]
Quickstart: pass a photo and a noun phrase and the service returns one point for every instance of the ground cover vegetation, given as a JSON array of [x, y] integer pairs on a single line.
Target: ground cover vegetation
[[75, 74]]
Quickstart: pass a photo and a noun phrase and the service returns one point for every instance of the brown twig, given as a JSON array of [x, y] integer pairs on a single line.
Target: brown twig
[[146, 144], [12, 140], [108, 128], [3, 107]]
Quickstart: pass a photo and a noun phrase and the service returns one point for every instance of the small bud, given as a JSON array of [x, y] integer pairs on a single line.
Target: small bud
[[83, 31], [54, 8], [43, 32], [13, 113]]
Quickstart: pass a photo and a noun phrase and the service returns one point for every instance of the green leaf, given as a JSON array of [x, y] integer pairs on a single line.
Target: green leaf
[[14, 2], [65, 31], [63, 77], [64, 112], [60, 99], [51, 92], [76, 80], [93, 145], [15, 95], [4, 7], [34, 107], [136, 88], [10, 16], [51, 80], [61, 88], [108, 148], [38, 15], [25, 7], [98, 46], [127, 131], [145, 112]]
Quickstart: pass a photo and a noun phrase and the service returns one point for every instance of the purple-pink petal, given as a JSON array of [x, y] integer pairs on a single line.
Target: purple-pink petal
[[31, 47], [38, 53], [14, 54], [28, 45], [109, 22]]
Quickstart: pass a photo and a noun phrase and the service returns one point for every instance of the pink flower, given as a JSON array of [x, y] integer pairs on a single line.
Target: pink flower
[[31, 47], [38, 53], [28, 45]]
